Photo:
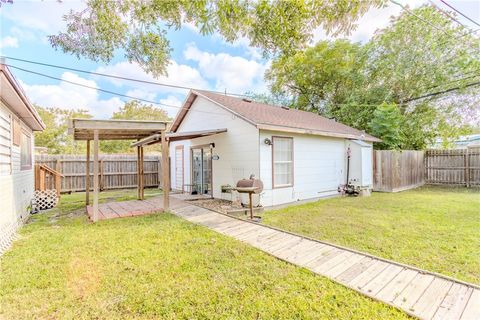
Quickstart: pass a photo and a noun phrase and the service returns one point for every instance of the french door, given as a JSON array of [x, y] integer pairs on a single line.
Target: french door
[[179, 168], [202, 170]]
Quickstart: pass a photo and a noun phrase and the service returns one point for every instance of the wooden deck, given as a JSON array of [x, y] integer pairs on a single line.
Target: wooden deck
[[417, 292], [121, 209]]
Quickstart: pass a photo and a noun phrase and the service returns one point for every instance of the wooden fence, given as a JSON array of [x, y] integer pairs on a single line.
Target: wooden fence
[[395, 171], [453, 167], [116, 171]]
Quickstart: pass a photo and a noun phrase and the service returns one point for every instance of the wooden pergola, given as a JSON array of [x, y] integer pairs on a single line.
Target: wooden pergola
[[96, 130]]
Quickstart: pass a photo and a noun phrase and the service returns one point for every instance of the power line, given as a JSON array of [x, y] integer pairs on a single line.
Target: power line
[[448, 15], [179, 107], [443, 91], [459, 12], [119, 77], [106, 91], [433, 25], [419, 18]]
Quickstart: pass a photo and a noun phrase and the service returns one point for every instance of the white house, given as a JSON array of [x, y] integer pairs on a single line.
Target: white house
[[298, 155], [18, 121]]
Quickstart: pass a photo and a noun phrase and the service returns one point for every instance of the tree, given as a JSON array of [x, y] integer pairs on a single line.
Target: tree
[[421, 53], [133, 110], [139, 28], [318, 76], [55, 137], [386, 124]]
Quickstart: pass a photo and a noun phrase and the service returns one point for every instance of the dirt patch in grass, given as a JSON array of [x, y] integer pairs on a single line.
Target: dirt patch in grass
[[218, 205], [83, 277]]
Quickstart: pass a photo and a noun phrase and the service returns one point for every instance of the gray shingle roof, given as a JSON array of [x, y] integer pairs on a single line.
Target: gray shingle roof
[[271, 117]]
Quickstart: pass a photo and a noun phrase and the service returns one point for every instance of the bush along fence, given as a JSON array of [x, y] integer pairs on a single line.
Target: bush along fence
[[116, 171], [453, 167], [401, 170]]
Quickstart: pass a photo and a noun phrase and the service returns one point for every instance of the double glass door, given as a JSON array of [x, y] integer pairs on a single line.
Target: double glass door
[[202, 170]]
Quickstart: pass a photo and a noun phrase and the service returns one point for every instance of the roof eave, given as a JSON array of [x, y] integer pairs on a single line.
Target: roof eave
[[38, 124], [270, 127]]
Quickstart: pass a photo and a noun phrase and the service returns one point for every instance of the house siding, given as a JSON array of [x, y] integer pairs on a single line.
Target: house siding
[[319, 168], [17, 188], [237, 148]]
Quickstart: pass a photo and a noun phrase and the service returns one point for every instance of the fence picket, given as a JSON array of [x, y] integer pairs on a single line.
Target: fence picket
[[117, 171]]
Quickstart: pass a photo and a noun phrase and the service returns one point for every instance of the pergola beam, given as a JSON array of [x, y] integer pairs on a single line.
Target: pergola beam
[[176, 136]]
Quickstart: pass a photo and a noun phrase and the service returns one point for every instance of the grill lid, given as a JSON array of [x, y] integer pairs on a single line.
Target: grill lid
[[249, 185]]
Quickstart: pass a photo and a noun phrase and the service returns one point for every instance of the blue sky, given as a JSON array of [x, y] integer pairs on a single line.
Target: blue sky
[[196, 61]]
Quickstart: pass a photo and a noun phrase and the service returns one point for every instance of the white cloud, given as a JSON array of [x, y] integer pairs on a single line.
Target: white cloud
[[141, 94], [42, 16], [8, 42], [178, 74], [172, 101], [233, 73], [69, 96]]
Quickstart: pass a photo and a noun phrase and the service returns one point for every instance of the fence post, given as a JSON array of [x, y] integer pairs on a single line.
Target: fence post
[[467, 168], [58, 178]]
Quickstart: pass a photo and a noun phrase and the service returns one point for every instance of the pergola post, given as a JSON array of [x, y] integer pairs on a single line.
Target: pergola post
[[166, 172], [140, 172], [142, 177], [95, 176], [87, 175]]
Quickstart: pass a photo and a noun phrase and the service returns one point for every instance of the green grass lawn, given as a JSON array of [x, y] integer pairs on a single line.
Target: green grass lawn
[[434, 228], [158, 266]]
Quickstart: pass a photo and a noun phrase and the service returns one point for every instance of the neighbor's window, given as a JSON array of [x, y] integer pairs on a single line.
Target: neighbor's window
[[282, 161], [25, 151]]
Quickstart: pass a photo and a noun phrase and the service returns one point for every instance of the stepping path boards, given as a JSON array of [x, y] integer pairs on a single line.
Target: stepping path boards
[[419, 293]]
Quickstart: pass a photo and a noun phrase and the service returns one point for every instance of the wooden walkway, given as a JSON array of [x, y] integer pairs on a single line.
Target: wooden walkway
[[121, 209], [417, 292]]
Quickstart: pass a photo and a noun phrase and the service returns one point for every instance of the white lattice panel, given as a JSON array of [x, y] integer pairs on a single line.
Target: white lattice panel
[[46, 199]]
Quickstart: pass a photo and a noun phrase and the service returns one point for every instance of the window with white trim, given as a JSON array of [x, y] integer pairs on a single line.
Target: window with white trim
[[25, 151], [282, 161]]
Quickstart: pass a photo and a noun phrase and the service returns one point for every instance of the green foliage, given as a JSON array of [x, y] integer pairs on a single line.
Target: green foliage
[[323, 73], [58, 141], [386, 124], [139, 27], [433, 228], [55, 137], [133, 110], [159, 267], [269, 98], [407, 59]]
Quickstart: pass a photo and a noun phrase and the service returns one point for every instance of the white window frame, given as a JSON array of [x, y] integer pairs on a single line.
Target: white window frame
[[292, 161]]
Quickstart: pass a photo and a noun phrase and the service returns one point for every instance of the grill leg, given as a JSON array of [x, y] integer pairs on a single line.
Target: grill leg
[[250, 205]]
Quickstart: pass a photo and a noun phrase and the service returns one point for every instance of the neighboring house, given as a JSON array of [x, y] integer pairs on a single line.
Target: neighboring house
[[298, 155], [18, 121], [463, 142]]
